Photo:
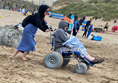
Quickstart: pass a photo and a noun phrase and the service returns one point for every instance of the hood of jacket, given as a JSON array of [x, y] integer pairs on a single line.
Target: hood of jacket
[[42, 10], [62, 24]]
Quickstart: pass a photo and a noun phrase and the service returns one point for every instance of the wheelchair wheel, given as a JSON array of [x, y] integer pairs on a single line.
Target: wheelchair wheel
[[88, 67], [53, 60], [81, 68], [66, 61]]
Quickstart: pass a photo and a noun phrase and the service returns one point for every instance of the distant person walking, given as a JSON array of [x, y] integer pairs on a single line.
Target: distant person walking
[[81, 21], [76, 26], [31, 25], [86, 27]]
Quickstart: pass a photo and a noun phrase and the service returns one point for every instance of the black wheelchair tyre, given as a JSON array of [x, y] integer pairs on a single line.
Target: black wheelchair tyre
[[53, 60], [66, 61], [81, 68], [88, 66]]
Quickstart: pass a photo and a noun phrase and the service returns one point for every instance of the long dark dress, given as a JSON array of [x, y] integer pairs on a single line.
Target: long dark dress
[[27, 42], [31, 24]]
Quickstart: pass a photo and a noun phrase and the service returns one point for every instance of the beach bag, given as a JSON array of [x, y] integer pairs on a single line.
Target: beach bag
[[97, 38]]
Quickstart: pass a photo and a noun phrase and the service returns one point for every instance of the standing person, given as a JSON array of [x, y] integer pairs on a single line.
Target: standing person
[[69, 16], [66, 19], [75, 17], [76, 26], [86, 27], [12, 9], [23, 11], [93, 17], [20, 9], [96, 18], [106, 27], [89, 30], [115, 22], [28, 43], [83, 19]]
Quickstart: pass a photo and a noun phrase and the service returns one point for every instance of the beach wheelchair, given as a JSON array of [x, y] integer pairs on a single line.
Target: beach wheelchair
[[55, 60]]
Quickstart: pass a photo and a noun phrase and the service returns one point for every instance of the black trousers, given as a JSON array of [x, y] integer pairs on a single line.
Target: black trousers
[[85, 32], [74, 31]]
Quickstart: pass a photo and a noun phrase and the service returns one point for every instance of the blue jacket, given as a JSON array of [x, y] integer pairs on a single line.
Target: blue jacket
[[76, 25]]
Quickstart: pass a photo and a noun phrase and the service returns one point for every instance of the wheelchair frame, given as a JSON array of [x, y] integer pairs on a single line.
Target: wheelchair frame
[[81, 61]]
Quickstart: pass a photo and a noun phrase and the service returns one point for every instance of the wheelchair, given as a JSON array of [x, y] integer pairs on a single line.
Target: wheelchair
[[55, 60]]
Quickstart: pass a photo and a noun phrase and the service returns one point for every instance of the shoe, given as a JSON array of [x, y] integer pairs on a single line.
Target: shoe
[[97, 60]]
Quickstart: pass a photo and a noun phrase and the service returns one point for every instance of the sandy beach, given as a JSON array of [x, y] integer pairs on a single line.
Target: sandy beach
[[34, 71]]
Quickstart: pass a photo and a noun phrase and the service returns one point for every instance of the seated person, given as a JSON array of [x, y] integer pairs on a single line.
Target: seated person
[[106, 27], [61, 37]]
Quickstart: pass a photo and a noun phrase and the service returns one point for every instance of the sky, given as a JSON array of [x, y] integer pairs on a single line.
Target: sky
[[54, 0]]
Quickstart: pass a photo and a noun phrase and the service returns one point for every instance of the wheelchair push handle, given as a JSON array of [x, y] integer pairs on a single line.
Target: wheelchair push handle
[[51, 34], [50, 28]]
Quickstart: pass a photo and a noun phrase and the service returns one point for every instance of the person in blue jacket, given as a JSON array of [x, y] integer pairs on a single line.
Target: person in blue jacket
[[76, 26], [31, 25], [75, 17]]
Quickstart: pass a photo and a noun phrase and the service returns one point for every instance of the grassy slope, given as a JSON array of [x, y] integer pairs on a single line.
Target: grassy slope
[[106, 9], [60, 1]]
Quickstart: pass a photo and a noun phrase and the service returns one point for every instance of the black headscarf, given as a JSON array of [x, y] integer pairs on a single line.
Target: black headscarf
[[42, 10]]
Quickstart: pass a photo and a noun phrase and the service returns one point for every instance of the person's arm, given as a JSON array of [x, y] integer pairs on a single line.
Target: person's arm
[[39, 23], [92, 28], [87, 24], [44, 24]]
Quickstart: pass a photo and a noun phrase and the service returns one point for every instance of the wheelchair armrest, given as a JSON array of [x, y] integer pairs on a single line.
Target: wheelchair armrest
[[53, 35], [77, 53]]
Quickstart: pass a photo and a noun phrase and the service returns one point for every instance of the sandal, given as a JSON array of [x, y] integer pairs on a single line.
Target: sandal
[[97, 60]]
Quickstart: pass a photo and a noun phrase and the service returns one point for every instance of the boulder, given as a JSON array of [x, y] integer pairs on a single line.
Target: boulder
[[9, 36]]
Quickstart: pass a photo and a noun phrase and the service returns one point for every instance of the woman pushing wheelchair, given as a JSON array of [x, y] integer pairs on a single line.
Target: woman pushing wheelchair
[[31, 25], [61, 37]]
